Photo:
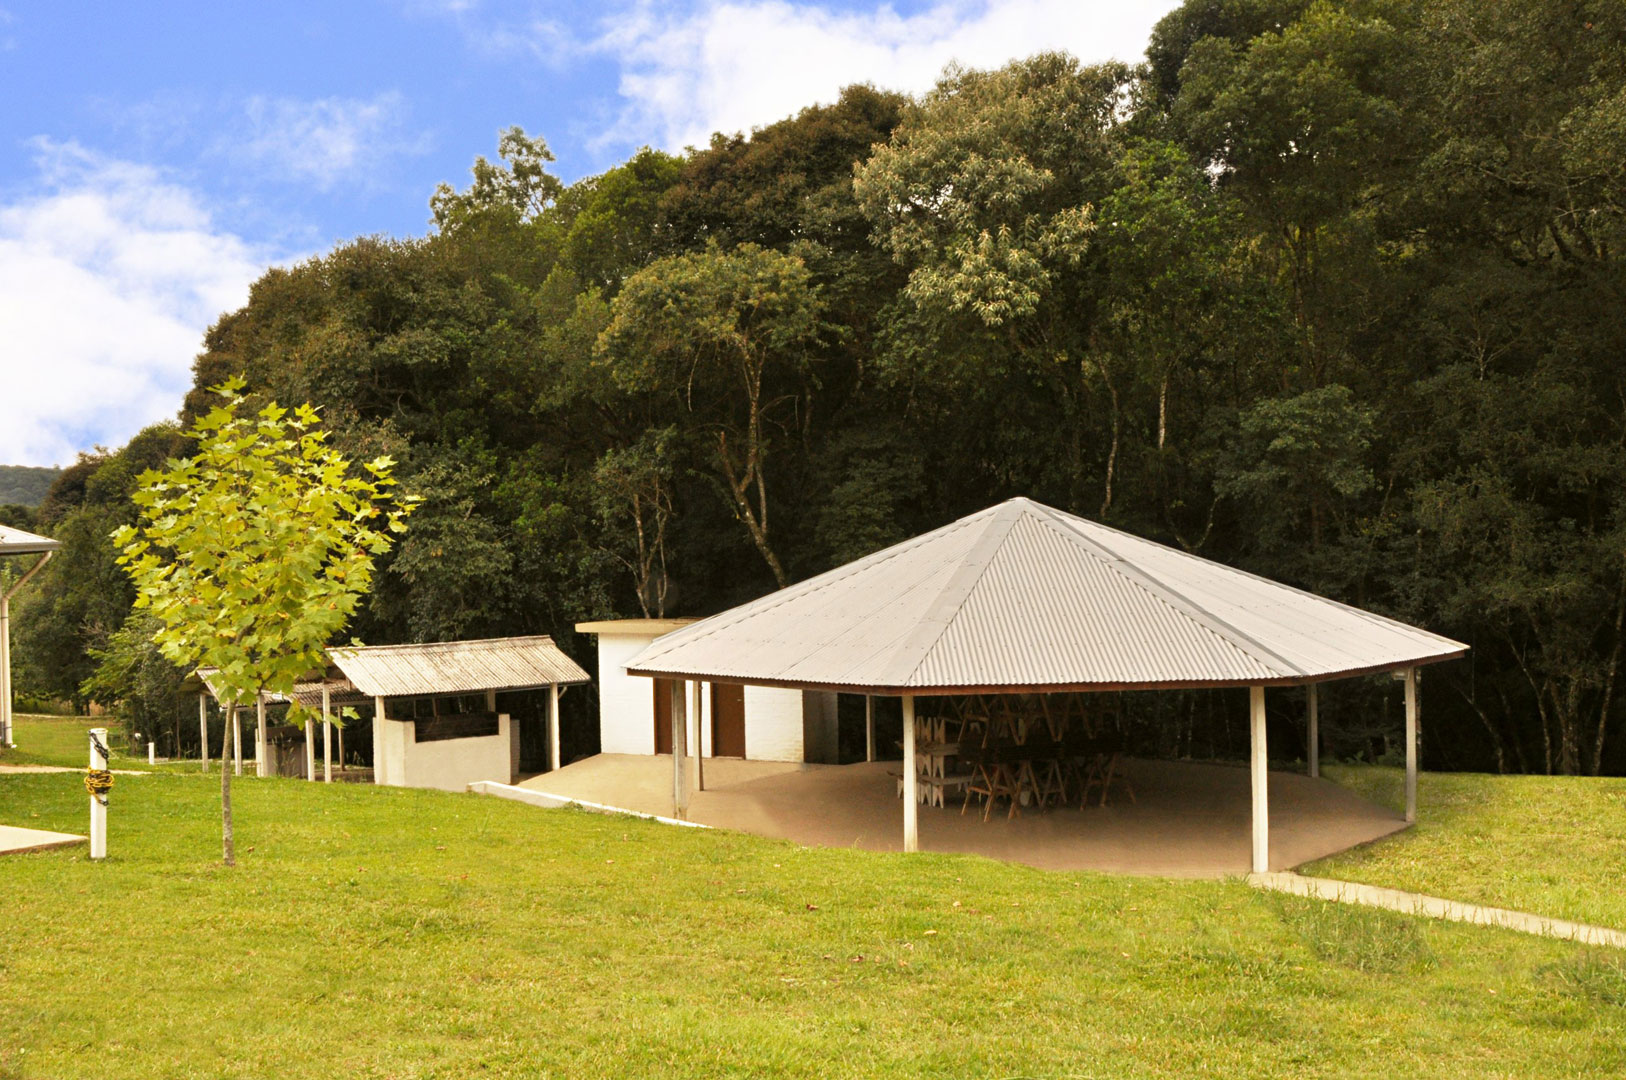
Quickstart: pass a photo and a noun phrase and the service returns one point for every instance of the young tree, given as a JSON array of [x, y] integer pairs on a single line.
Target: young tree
[[253, 554]]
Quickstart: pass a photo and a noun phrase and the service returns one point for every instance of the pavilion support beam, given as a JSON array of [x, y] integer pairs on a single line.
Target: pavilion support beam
[[327, 735], [379, 772], [869, 727], [553, 727], [1260, 771], [1313, 735], [1411, 744], [680, 736], [699, 737], [8, 734], [911, 824], [236, 743], [310, 752], [261, 765], [203, 728]]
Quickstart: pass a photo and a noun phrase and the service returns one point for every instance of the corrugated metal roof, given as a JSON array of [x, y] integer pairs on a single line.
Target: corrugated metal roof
[[456, 667], [633, 627], [17, 542], [1023, 596]]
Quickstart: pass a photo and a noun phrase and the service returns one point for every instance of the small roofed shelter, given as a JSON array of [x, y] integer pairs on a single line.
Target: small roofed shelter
[[451, 751], [16, 542], [1025, 599]]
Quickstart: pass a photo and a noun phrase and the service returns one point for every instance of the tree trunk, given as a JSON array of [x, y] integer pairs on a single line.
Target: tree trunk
[[228, 848]]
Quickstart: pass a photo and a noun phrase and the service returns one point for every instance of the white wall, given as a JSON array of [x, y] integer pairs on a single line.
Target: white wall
[[626, 703], [448, 764], [773, 724]]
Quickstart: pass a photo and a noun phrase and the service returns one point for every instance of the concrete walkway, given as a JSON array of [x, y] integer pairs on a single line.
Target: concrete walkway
[[1349, 892], [15, 840], [1188, 820]]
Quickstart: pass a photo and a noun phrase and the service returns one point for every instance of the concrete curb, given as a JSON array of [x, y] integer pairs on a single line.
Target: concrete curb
[[1409, 903], [542, 798]]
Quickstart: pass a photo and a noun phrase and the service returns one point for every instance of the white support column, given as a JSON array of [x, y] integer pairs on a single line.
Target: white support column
[[869, 727], [236, 744], [327, 736], [98, 803], [911, 827], [1411, 744], [203, 728], [1260, 772], [152, 752], [310, 752], [8, 732], [553, 727], [341, 749], [1313, 736], [261, 748], [680, 736], [378, 742], [699, 741]]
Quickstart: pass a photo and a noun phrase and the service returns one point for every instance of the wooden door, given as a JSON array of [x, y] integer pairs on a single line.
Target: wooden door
[[663, 715], [727, 720]]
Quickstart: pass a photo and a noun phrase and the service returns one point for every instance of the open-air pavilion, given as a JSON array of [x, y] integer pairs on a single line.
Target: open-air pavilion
[[16, 542], [1024, 601]]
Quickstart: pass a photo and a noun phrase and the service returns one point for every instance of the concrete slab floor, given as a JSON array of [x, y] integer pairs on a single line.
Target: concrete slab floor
[[15, 840], [1189, 820]]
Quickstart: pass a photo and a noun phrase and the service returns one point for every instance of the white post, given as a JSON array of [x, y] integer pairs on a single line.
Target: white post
[[911, 828], [699, 737], [1411, 744], [1260, 770], [203, 728], [236, 744], [378, 741], [680, 736], [327, 736], [1314, 735], [869, 727], [98, 803], [310, 752], [261, 765], [553, 727], [152, 758]]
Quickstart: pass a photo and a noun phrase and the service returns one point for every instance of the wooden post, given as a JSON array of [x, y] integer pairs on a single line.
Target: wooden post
[[1260, 769], [203, 728], [553, 726], [236, 744], [1314, 734], [98, 803], [327, 736], [261, 747], [1411, 744], [378, 741], [911, 827], [699, 740], [869, 727], [680, 736], [341, 749]]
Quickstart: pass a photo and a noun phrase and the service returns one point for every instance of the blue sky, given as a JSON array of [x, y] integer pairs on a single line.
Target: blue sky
[[155, 158]]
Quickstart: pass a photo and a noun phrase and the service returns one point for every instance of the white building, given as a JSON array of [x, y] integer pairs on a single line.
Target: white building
[[761, 723]]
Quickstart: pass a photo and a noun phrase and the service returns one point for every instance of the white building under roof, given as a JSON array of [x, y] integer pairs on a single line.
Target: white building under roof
[[16, 542]]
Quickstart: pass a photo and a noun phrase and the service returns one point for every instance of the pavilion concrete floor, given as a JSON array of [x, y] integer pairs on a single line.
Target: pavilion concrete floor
[[1188, 820]]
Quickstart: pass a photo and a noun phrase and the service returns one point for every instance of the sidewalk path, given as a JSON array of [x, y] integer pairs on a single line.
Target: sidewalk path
[[1349, 892]]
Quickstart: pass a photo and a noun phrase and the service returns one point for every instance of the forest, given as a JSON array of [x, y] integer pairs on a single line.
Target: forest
[[1329, 291]]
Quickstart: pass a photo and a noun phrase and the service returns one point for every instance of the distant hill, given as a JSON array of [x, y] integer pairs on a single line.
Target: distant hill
[[26, 484]]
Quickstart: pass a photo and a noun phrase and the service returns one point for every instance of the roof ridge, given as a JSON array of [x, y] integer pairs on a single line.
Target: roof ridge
[[1215, 625], [952, 596], [797, 590], [430, 644]]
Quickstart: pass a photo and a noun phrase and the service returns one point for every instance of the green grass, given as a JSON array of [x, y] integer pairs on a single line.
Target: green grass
[[1551, 845], [383, 932]]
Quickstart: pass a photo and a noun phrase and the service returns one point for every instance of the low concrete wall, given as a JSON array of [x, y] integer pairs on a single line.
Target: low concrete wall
[[447, 764]]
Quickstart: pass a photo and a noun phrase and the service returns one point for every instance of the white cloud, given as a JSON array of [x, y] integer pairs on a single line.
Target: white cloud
[[109, 274], [731, 66], [323, 141]]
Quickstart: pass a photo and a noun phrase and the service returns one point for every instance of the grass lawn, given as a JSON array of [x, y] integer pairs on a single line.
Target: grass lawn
[[396, 933], [1551, 845]]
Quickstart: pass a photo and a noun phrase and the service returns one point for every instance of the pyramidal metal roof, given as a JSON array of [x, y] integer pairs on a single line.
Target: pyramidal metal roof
[[1025, 597], [17, 542]]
